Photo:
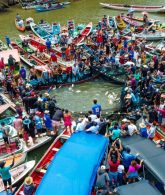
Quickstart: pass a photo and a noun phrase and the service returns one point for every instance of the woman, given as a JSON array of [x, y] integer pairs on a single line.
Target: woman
[[68, 121], [132, 173]]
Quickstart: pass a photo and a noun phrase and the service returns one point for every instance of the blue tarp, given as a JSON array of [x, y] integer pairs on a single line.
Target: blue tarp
[[73, 169]]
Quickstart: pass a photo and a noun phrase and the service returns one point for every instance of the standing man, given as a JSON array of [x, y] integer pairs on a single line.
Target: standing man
[[22, 73], [5, 174], [48, 45], [8, 42], [96, 108]]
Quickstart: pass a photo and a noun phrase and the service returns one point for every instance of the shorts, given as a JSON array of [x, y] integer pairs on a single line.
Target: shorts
[[8, 181], [6, 140], [55, 123]]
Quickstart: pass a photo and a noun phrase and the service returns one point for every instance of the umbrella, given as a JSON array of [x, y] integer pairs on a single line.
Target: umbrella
[[130, 10], [145, 13]]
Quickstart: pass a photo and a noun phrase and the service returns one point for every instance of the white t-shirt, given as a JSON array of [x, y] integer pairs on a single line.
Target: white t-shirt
[[120, 169], [93, 117], [131, 128], [151, 132]]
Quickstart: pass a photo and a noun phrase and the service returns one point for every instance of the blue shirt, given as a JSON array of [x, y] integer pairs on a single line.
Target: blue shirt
[[48, 44], [4, 172], [38, 122], [116, 134], [127, 158], [48, 121], [23, 73], [96, 108]]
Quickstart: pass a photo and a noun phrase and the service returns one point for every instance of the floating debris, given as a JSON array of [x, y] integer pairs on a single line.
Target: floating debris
[[78, 91], [72, 85], [106, 93]]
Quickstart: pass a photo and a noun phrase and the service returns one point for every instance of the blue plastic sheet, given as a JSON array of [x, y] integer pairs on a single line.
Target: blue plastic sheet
[[73, 169]]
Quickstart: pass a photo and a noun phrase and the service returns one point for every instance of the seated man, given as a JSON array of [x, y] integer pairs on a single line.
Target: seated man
[[132, 129]]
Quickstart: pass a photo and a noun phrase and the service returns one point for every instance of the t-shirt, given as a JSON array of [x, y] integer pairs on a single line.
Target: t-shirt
[[115, 134], [102, 179], [113, 166], [17, 124], [4, 172], [133, 169], [120, 169], [47, 120], [127, 158], [38, 122], [131, 128], [96, 108]]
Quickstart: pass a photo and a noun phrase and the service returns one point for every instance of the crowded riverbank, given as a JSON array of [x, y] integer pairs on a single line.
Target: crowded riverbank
[[116, 50]]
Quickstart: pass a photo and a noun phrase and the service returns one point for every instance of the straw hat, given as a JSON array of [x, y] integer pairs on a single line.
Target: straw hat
[[28, 180], [46, 112], [125, 120], [142, 125], [46, 94]]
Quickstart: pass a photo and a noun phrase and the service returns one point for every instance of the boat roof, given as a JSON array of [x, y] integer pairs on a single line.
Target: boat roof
[[138, 188], [154, 157], [5, 54], [74, 167]]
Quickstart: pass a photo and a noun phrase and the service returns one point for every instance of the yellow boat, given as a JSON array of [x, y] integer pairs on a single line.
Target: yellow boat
[[120, 22]]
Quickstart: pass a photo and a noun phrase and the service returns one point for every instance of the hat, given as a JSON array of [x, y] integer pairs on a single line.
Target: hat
[[142, 125], [39, 100], [46, 94], [2, 164], [38, 113], [27, 121], [102, 167], [125, 120], [46, 111], [28, 180]]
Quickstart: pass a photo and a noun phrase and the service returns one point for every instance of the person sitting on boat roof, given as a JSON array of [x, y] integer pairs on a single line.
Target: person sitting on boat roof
[[29, 186], [18, 17], [94, 128], [5, 174], [53, 59]]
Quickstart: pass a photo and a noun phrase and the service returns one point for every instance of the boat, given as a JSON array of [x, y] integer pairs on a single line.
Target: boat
[[18, 173], [15, 146], [18, 159], [140, 19], [46, 26], [27, 23], [138, 8], [49, 8], [3, 46], [40, 32], [56, 28], [20, 27], [40, 141], [120, 23], [150, 36], [35, 4], [80, 149], [41, 167], [160, 47], [84, 33], [132, 22], [7, 120], [12, 132]]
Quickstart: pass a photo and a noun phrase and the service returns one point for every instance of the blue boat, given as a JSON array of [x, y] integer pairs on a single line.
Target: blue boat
[[7, 120], [50, 7], [73, 169], [56, 28]]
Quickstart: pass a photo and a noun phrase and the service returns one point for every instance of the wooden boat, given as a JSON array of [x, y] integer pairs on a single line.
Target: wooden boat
[[132, 22], [7, 120], [27, 23], [12, 132], [140, 19], [150, 36], [56, 28], [34, 4], [120, 23], [3, 46], [46, 26], [49, 8], [19, 159], [87, 30], [39, 142], [18, 173], [40, 32], [20, 28], [15, 147], [140, 8], [40, 169], [160, 47]]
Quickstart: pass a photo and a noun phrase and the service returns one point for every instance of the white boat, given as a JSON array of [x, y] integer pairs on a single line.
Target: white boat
[[18, 173], [150, 36], [39, 142], [138, 8], [161, 47]]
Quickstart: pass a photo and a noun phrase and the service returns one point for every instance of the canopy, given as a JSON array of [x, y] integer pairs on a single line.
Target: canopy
[[138, 188], [75, 165], [154, 157]]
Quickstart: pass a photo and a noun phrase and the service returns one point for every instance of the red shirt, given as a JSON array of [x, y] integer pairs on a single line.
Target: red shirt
[[113, 166], [2, 64], [53, 58], [41, 48]]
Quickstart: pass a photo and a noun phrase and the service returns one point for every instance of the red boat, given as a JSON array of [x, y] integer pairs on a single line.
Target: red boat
[[132, 22], [40, 169], [87, 30]]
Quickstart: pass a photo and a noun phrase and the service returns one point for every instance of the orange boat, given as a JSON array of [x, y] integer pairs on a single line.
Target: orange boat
[[20, 26]]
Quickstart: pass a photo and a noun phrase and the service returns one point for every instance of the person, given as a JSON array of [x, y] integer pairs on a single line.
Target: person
[[132, 129], [53, 59], [8, 41], [5, 134], [18, 125], [11, 63], [22, 72], [94, 128], [38, 122], [18, 17], [75, 71], [151, 131], [132, 173], [120, 175], [57, 117], [68, 121], [127, 158], [102, 181], [5, 174], [143, 130], [116, 132], [48, 45], [48, 122], [96, 108], [29, 187], [2, 63], [26, 123]]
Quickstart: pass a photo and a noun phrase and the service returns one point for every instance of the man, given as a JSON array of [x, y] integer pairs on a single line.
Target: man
[[11, 63], [48, 122], [75, 71], [38, 122], [48, 45], [96, 108], [94, 128], [102, 181], [5, 174], [17, 124], [5, 134], [57, 117], [22, 72], [53, 59], [8, 42], [132, 129]]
